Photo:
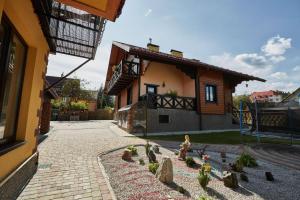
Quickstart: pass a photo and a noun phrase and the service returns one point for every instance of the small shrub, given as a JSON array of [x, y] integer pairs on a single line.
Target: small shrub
[[190, 162], [176, 153], [203, 179], [247, 160], [141, 161], [133, 150], [202, 197], [79, 105], [237, 166], [153, 167]]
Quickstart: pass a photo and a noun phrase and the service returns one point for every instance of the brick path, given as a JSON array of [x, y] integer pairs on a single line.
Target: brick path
[[68, 166]]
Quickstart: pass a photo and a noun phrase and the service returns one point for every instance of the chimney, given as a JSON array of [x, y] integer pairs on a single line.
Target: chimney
[[176, 53], [153, 47]]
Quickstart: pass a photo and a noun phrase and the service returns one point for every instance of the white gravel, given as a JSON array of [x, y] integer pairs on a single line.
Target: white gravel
[[133, 181]]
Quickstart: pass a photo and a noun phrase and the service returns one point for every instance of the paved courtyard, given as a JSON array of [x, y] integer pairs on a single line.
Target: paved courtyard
[[68, 165]]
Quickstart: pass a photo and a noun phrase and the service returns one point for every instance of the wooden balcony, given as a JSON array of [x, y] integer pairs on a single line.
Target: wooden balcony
[[123, 75], [170, 102]]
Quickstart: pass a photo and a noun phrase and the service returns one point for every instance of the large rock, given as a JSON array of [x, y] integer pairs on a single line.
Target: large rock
[[230, 180], [164, 172], [127, 155]]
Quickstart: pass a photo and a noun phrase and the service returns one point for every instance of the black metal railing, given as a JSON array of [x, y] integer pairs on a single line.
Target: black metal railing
[[125, 69], [171, 102]]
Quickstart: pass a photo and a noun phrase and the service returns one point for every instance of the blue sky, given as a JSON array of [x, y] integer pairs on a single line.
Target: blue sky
[[257, 37]]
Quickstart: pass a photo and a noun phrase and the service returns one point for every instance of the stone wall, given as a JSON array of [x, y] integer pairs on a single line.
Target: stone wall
[[179, 120], [12, 186], [217, 122]]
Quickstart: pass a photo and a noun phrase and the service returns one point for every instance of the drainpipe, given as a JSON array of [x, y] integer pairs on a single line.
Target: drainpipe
[[64, 77]]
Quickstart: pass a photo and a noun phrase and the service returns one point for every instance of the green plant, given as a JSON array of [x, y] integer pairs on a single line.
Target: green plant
[[203, 178], [190, 162], [141, 161], [246, 160], [133, 150], [153, 167], [202, 197], [171, 93], [79, 105]]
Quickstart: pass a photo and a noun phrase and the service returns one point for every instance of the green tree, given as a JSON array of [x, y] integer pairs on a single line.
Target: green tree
[[75, 89], [104, 100], [237, 99]]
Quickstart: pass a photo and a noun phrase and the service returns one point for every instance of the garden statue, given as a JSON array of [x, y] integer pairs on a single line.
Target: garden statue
[[152, 157], [184, 147]]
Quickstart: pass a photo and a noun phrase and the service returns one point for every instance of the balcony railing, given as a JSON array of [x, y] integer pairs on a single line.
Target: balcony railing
[[123, 74], [172, 102]]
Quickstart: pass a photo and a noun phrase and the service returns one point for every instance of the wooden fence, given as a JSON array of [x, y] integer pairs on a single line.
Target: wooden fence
[[100, 114]]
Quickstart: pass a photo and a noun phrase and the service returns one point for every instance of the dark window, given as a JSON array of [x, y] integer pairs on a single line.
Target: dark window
[[163, 119], [151, 89], [12, 61], [119, 101], [211, 93], [129, 95]]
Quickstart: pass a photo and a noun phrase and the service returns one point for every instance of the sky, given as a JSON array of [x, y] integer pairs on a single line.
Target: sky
[[261, 38]]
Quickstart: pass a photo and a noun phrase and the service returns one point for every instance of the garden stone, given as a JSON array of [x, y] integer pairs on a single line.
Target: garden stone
[[152, 157], [244, 177], [230, 180], [156, 149], [127, 155], [164, 172], [269, 176]]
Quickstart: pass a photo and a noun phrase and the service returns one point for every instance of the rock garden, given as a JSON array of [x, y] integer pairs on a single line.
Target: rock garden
[[151, 172]]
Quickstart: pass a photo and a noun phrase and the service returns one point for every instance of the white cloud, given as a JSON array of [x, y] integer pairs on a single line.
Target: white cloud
[[277, 46], [297, 68], [148, 12], [279, 75], [252, 60], [277, 59]]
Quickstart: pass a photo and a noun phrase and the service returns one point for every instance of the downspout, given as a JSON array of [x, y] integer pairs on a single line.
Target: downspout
[[64, 77], [198, 102]]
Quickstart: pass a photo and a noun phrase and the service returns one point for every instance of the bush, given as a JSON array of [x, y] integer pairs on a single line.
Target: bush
[[246, 160], [190, 162], [79, 105], [171, 93], [141, 161], [202, 197], [153, 167], [133, 150], [203, 179]]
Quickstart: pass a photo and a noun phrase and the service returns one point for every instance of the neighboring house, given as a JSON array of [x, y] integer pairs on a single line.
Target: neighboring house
[[292, 100], [266, 96], [181, 94], [29, 31], [59, 86]]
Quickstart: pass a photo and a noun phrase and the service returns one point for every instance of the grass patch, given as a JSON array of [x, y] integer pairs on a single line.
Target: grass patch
[[229, 137]]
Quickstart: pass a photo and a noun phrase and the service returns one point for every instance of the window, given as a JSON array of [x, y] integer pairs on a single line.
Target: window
[[119, 101], [129, 95], [12, 61], [163, 119], [211, 93], [151, 89]]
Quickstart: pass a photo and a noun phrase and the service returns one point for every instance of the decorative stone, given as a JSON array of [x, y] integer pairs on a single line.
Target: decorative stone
[[164, 172], [155, 149], [152, 157], [230, 180], [127, 155], [244, 177], [269, 176]]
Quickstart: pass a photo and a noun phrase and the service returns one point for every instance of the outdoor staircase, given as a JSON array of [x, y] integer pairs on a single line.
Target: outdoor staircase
[[283, 155]]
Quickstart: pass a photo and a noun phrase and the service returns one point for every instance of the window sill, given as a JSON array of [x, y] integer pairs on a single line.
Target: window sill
[[11, 146]]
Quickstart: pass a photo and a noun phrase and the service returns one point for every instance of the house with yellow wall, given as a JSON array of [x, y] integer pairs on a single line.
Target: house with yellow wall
[[29, 31], [166, 92]]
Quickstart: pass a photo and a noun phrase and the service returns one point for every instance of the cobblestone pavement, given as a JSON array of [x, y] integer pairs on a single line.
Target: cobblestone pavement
[[68, 166]]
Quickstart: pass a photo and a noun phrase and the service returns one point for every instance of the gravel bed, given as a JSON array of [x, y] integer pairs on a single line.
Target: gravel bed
[[130, 180]]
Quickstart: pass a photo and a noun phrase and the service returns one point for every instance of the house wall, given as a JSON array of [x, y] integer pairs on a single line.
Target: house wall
[[22, 16], [123, 95], [174, 79], [213, 78]]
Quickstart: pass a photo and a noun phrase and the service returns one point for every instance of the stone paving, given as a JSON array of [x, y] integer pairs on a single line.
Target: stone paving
[[68, 166]]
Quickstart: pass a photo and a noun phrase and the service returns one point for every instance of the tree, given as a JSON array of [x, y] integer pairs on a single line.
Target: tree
[[104, 100], [237, 99]]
